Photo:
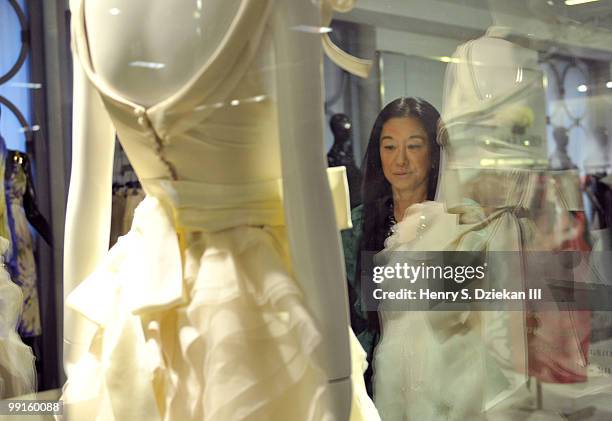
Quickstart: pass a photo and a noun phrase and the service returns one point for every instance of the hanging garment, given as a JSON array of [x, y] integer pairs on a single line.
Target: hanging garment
[[17, 372], [197, 313], [22, 264], [17, 376]]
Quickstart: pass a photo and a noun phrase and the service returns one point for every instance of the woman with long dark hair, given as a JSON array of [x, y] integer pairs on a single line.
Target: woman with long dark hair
[[400, 168]]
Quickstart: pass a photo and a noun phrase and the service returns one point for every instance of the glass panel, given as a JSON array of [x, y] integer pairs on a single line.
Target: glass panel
[[474, 136]]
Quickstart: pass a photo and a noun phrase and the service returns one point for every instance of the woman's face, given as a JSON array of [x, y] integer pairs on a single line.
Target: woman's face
[[404, 153]]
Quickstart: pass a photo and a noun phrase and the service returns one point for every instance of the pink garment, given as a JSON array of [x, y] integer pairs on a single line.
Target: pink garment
[[558, 340]]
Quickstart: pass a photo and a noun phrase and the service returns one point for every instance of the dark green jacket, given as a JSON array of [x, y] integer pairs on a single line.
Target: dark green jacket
[[350, 242]]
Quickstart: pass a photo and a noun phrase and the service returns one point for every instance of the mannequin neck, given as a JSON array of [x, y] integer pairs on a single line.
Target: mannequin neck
[[342, 142]]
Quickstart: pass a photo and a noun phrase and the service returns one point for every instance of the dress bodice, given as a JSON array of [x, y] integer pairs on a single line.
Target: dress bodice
[[213, 147], [494, 106], [224, 117]]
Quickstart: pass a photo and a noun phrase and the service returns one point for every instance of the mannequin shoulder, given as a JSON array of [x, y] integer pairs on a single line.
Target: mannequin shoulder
[[499, 52]]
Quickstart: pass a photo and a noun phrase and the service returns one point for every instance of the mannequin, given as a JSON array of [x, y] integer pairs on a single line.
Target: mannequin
[[499, 199], [182, 47], [509, 95], [560, 160], [89, 203], [341, 154]]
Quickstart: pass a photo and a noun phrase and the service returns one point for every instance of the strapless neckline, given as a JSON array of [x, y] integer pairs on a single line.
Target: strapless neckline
[[246, 17]]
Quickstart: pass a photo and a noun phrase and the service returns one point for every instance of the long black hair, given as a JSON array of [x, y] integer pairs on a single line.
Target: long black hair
[[376, 190]]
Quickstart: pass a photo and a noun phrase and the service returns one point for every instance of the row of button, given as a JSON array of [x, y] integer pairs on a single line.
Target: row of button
[[145, 123]]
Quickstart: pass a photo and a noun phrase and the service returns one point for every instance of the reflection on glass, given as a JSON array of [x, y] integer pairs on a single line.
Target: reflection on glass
[[25, 85], [147, 65], [524, 110], [313, 29], [576, 2]]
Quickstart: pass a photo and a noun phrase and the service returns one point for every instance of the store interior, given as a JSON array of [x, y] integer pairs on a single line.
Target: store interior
[[412, 44]]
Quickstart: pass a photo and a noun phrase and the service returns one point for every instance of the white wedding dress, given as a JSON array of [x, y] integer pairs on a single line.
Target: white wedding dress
[[495, 197], [197, 311]]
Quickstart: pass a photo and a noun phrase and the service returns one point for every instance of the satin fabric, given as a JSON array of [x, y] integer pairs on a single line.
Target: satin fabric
[[157, 219], [216, 330], [222, 297], [196, 312]]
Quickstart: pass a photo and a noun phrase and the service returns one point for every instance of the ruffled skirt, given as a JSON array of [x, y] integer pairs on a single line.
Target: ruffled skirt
[[237, 342]]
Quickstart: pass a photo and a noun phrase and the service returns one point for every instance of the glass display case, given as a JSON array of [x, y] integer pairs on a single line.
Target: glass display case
[[306, 209]]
